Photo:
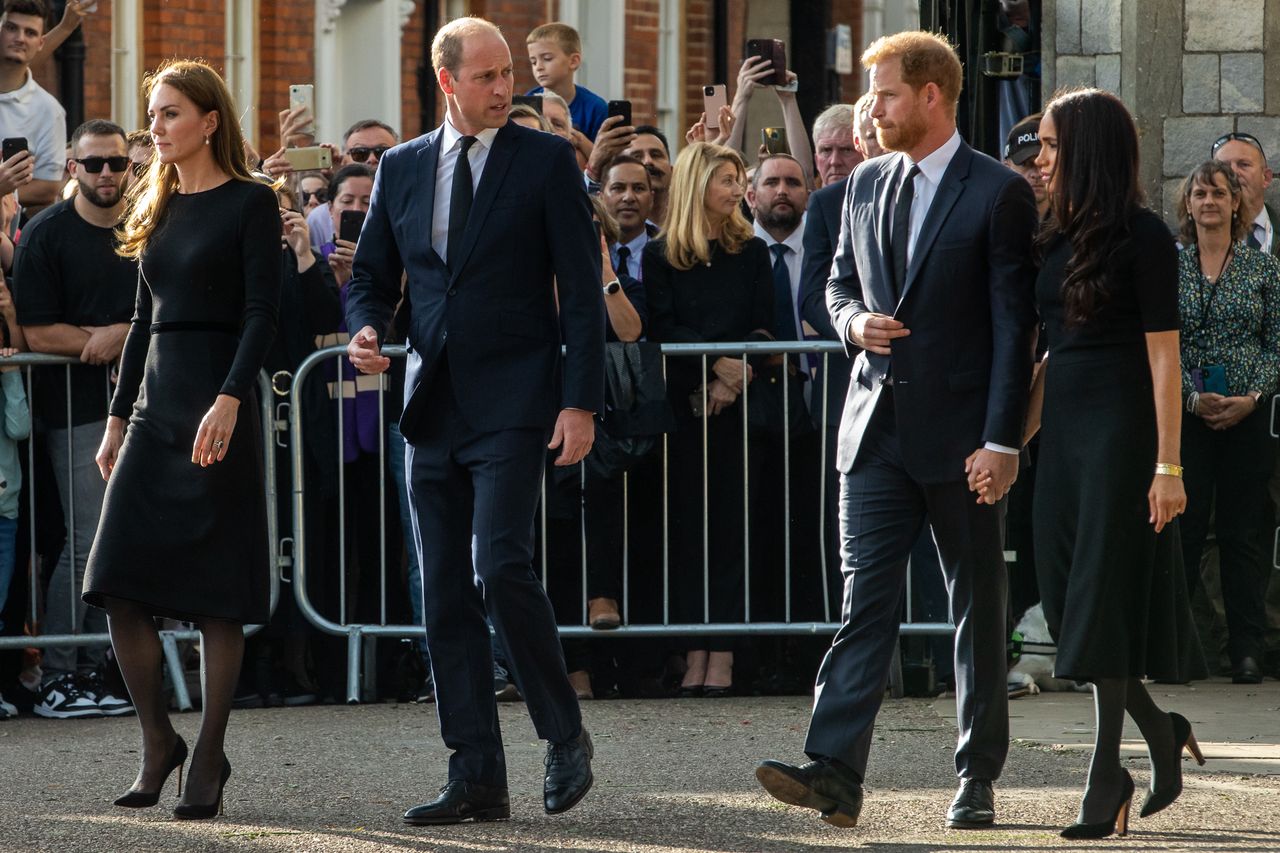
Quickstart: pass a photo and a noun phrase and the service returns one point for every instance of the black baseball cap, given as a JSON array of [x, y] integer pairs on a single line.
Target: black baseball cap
[[1023, 142]]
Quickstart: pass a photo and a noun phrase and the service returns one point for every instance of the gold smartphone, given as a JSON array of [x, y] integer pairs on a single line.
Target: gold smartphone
[[775, 139], [309, 159]]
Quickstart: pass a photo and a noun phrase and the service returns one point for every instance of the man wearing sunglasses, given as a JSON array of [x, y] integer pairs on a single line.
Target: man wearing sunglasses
[[364, 142], [1243, 153], [75, 297]]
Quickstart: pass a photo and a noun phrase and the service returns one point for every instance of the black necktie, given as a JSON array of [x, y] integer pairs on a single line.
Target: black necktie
[[901, 233], [784, 318], [624, 256], [460, 197]]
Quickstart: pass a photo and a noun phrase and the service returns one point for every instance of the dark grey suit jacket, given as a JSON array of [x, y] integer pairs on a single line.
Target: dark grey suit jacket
[[821, 233], [961, 378]]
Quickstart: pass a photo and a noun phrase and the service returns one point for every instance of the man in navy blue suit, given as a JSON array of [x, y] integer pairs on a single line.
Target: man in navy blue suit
[[932, 280], [489, 224]]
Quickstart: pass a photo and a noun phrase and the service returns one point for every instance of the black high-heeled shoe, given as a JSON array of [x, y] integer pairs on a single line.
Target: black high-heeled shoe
[[1119, 824], [1183, 738], [191, 811], [143, 799]]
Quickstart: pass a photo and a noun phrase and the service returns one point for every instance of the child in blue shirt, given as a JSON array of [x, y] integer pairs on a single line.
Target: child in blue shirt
[[555, 52]]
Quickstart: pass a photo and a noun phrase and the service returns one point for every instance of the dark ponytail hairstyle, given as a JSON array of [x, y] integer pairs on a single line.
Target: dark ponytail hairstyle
[[1095, 193]]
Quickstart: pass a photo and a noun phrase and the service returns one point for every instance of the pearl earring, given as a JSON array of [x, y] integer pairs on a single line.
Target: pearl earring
[[206, 140]]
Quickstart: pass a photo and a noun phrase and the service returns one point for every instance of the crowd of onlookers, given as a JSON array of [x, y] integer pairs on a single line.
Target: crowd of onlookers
[[709, 499]]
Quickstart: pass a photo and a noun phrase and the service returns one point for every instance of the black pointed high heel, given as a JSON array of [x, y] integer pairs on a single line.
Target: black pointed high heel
[[189, 811], [1119, 824], [143, 799], [1183, 738]]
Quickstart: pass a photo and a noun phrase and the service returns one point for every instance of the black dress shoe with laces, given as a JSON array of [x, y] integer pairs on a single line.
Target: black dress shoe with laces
[[974, 806], [461, 801], [568, 773], [833, 790]]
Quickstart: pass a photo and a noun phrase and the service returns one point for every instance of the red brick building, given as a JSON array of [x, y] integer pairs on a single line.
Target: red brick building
[[367, 58]]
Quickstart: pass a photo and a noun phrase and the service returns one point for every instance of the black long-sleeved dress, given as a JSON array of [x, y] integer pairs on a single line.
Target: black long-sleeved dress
[[181, 540]]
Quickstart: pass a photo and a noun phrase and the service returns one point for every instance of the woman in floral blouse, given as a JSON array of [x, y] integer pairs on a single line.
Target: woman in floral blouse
[[1229, 299]]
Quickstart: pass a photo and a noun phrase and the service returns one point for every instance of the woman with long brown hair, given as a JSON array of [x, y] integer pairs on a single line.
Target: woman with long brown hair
[[183, 526], [1109, 483]]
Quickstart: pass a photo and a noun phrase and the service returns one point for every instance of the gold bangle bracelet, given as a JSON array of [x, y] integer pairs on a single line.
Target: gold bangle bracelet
[[1168, 469]]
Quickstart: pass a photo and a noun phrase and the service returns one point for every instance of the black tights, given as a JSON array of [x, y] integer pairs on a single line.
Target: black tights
[[137, 646], [1112, 697]]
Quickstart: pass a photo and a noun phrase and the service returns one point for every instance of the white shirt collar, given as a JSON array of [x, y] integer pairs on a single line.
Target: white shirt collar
[[934, 166], [637, 245], [1264, 220], [450, 135], [23, 92], [794, 241]]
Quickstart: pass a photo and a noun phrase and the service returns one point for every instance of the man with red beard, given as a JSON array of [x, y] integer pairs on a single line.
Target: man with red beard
[[933, 280], [75, 297]]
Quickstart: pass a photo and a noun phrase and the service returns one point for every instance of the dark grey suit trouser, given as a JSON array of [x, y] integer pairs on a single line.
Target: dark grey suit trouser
[[882, 511]]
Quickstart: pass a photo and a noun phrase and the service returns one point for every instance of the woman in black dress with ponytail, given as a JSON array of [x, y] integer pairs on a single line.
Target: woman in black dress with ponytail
[[1109, 485], [183, 528]]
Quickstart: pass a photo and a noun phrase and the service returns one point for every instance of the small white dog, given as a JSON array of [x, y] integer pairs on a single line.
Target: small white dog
[[1033, 671]]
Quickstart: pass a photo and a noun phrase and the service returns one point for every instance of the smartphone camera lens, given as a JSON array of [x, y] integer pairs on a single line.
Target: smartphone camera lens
[[708, 90]]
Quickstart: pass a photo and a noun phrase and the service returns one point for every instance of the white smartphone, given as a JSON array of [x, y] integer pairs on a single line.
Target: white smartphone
[[713, 98], [304, 94]]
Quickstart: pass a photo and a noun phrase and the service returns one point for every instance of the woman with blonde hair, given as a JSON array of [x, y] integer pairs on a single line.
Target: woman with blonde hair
[[708, 280], [183, 526]]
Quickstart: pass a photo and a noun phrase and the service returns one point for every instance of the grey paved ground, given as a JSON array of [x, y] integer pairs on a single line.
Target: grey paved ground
[[671, 776]]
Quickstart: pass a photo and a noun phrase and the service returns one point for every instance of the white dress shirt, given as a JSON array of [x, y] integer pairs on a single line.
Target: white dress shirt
[[795, 260], [932, 168], [450, 145], [1262, 229]]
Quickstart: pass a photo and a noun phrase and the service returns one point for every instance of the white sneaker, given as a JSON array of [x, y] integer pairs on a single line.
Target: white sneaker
[[7, 709], [62, 699], [95, 687]]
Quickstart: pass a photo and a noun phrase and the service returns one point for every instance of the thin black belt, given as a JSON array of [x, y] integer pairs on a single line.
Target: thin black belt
[[194, 326]]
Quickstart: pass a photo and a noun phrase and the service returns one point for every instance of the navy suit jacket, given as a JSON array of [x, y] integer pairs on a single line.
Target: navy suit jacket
[[821, 234], [529, 237], [962, 377]]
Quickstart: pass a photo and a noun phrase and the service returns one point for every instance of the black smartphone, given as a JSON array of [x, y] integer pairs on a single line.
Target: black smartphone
[[12, 146], [620, 108], [775, 51], [534, 101], [349, 224]]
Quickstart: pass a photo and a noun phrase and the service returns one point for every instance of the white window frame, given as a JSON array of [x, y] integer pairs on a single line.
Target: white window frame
[[669, 88], [127, 109], [602, 24], [241, 63]]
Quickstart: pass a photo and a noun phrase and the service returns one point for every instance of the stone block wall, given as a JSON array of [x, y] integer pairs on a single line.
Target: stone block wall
[[1191, 70]]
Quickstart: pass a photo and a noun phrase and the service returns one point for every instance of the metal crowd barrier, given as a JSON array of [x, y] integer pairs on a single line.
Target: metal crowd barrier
[[356, 632], [169, 639]]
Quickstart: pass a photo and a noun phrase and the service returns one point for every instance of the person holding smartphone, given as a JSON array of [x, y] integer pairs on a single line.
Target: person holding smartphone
[[758, 71], [1229, 302], [28, 112]]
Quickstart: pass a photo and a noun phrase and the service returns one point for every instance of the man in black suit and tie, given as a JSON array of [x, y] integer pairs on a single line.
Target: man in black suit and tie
[[491, 223], [933, 280]]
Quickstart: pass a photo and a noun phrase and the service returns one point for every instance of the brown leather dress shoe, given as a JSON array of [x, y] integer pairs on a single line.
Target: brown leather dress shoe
[[602, 614]]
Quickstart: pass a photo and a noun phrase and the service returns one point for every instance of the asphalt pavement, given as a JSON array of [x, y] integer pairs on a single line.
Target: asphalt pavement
[[671, 775]]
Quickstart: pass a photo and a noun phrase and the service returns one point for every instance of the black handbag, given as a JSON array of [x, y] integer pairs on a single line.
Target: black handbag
[[765, 409], [637, 411]]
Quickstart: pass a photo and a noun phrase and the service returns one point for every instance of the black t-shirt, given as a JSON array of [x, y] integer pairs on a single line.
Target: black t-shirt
[[67, 271]]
